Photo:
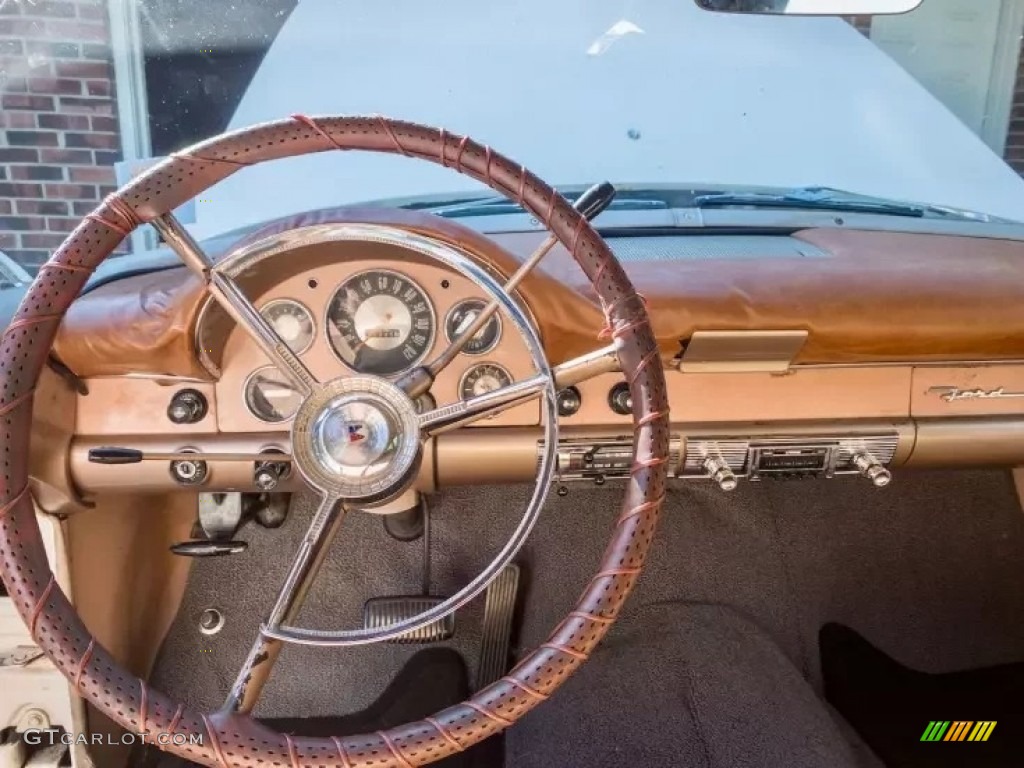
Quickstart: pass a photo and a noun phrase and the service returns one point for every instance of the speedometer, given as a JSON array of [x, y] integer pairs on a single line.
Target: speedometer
[[380, 322]]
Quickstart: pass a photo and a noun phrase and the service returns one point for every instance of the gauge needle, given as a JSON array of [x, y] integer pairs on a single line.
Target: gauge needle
[[466, 322]]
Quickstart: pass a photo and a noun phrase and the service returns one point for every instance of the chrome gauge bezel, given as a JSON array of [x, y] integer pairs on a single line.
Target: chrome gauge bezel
[[483, 364], [495, 318], [248, 403], [303, 308], [431, 338]]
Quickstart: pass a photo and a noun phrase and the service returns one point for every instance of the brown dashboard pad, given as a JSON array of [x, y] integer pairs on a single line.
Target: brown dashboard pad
[[875, 297]]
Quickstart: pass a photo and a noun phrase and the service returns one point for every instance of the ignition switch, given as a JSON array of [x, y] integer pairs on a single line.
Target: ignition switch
[[189, 471]]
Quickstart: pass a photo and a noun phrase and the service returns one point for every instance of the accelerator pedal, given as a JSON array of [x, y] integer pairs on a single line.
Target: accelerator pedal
[[496, 635]]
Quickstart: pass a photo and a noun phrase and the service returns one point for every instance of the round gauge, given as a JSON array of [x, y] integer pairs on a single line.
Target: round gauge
[[483, 378], [380, 322], [462, 315], [270, 396], [424, 403], [292, 322]]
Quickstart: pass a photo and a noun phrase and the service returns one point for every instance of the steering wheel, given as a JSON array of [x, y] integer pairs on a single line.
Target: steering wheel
[[231, 737]]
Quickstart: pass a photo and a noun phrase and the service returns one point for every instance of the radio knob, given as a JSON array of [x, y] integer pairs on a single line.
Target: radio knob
[[719, 471], [872, 469]]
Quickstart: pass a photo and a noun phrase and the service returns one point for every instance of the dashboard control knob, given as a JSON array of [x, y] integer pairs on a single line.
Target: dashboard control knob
[[872, 469], [719, 471], [569, 401], [188, 406], [620, 400]]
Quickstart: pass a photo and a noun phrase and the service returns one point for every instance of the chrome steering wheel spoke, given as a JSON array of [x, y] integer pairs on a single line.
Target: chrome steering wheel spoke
[[255, 671], [225, 291], [464, 412]]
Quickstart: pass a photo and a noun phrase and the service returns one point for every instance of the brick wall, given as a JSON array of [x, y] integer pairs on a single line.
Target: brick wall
[[58, 126]]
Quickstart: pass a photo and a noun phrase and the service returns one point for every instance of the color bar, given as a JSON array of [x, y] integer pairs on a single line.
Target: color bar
[[935, 730]]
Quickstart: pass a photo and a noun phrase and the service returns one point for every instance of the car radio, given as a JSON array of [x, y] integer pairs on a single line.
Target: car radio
[[725, 459], [600, 460]]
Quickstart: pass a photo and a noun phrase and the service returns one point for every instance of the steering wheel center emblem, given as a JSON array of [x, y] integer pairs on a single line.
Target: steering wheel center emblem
[[357, 438]]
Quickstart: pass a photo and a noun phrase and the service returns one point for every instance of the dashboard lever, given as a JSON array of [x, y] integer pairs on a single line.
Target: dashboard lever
[[112, 455]]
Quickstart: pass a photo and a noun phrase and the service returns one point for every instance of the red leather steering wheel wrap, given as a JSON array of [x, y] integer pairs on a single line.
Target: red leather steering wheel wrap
[[237, 740]]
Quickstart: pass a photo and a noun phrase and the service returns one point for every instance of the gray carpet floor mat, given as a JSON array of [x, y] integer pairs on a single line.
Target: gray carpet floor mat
[[928, 570]]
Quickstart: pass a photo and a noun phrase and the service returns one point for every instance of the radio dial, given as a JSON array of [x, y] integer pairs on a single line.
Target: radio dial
[[872, 469], [719, 471]]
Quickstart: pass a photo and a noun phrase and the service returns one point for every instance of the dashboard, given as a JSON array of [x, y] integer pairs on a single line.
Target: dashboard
[[856, 363]]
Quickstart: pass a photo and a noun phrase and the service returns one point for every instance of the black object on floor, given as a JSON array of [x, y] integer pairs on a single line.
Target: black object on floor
[[433, 679], [891, 706]]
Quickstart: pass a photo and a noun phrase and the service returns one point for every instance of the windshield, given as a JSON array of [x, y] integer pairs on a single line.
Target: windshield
[[915, 115]]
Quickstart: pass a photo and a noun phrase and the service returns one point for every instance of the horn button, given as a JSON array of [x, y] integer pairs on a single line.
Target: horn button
[[358, 438]]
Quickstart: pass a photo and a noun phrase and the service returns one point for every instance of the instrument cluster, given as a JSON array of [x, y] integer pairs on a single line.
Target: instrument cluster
[[382, 321]]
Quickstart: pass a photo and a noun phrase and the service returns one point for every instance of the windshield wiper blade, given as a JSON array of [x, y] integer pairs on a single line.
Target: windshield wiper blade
[[815, 198], [498, 206]]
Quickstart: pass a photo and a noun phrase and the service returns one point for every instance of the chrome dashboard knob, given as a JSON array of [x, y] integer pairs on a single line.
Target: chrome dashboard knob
[[872, 469], [719, 471]]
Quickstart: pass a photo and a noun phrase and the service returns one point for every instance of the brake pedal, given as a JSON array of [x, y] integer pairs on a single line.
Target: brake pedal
[[496, 634], [379, 612]]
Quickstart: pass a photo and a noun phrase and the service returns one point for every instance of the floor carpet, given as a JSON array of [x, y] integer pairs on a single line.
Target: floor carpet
[[928, 570]]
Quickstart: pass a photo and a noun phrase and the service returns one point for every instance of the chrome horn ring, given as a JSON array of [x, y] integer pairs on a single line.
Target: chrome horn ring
[[321, 415]]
